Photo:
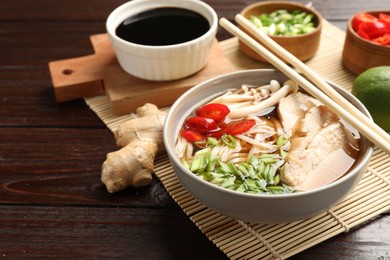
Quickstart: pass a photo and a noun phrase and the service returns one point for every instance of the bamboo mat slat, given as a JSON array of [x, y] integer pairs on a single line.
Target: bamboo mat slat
[[239, 240]]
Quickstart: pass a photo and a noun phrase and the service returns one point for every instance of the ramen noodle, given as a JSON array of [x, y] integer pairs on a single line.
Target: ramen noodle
[[268, 139]]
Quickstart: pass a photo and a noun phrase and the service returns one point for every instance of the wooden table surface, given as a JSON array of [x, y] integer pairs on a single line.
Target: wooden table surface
[[52, 203]]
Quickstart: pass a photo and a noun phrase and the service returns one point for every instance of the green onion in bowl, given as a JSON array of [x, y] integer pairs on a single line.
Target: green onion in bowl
[[284, 23]]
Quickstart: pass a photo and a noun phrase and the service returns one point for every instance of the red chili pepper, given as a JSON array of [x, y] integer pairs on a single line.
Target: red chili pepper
[[361, 17], [363, 34], [200, 124], [241, 127], [374, 29], [223, 129], [192, 136], [215, 111], [385, 18], [383, 40]]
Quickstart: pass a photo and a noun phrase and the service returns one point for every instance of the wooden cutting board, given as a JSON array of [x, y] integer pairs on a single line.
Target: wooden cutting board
[[100, 73]]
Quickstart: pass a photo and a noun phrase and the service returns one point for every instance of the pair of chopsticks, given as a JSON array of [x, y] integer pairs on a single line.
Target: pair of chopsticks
[[323, 92]]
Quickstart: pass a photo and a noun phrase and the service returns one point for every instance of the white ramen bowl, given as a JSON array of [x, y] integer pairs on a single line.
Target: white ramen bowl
[[167, 62], [257, 208]]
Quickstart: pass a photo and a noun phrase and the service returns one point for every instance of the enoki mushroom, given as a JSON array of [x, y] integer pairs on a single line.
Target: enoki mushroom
[[255, 100], [248, 102]]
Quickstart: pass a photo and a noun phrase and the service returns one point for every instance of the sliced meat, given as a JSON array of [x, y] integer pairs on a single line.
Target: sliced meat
[[335, 165], [314, 120], [307, 158], [334, 135], [294, 172], [292, 108]]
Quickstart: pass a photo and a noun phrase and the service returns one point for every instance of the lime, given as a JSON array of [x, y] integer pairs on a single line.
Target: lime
[[372, 88]]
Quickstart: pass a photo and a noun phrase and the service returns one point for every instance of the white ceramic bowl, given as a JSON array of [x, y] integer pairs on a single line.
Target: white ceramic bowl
[[168, 62], [254, 207]]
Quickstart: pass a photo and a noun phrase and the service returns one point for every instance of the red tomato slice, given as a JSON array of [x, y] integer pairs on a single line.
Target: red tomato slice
[[192, 136], [242, 127], [361, 17], [374, 29], [215, 111], [200, 124], [383, 40]]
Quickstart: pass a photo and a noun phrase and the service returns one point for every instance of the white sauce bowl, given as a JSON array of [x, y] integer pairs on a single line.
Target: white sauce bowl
[[168, 62]]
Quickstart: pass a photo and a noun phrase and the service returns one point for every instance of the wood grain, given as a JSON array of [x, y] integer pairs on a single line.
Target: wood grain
[[101, 74], [94, 232], [52, 204]]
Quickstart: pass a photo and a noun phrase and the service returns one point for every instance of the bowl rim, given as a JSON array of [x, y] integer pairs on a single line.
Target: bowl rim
[[293, 4], [173, 3], [171, 153], [356, 35]]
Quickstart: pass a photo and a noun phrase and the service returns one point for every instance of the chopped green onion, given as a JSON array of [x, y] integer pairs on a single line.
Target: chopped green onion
[[283, 153], [282, 22], [196, 164], [229, 140], [281, 140], [260, 175], [228, 182], [211, 141], [213, 161]]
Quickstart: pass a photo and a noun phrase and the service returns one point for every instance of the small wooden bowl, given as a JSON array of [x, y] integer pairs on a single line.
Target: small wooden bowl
[[360, 54], [301, 46]]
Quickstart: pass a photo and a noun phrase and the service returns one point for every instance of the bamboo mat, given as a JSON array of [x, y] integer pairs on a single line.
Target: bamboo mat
[[239, 240]]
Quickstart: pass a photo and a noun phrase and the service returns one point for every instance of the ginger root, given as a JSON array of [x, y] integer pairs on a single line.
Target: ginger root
[[141, 139]]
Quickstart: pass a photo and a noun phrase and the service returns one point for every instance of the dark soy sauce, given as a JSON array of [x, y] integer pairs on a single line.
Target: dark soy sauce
[[163, 26]]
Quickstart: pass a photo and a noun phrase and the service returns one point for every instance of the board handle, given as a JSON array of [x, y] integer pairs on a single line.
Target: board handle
[[83, 76]]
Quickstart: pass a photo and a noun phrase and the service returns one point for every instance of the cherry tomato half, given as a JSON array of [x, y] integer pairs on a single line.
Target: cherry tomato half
[[192, 136], [361, 17], [241, 127], [200, 124], [215, 111]]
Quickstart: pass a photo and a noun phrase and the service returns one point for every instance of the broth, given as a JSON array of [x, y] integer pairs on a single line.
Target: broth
[[295, 145]]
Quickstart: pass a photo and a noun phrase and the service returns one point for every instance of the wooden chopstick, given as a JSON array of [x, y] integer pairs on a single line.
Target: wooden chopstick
[[365, 127], [310, 74]]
